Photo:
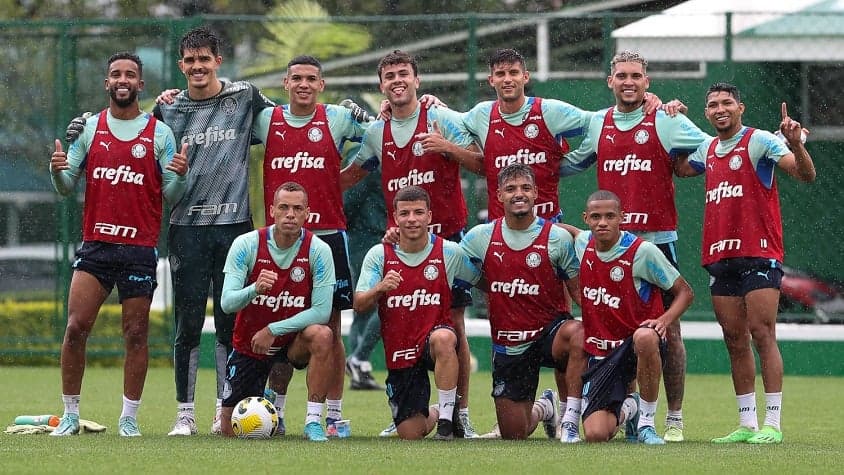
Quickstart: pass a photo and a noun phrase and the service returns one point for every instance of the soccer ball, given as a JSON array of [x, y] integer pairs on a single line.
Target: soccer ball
[[254, 418]]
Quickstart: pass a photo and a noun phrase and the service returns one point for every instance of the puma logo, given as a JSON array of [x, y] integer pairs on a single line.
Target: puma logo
[[106, 145], [499, 255], [280, 134], [391, 154], [499, 132], [610, 138], [589, 263]]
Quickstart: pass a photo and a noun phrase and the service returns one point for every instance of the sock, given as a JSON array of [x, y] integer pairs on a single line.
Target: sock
[[354, 360], [130, 407], [335, 409], [280, 401], [71, 403], [647, 411], [219, 404], [185, 408], [314, 412], [463, 412], [561, 406], [674, 418], [571, 410], [540, 410], [629, 408], [773, 406], [446, 399], [747, 410]]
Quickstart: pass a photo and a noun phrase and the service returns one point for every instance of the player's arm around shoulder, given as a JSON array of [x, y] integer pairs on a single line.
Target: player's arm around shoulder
[[692, 164], [462, 271], [240, 260], [566, 119], [369, 288]]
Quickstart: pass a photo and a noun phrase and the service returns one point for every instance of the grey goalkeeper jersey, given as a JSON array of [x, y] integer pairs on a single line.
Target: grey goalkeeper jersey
[[218, 132]]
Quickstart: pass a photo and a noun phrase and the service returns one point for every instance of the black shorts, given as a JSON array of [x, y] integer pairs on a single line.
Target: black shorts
[[516, 377], [460, 297], [737, 276], [246, 376], [339, 244], [131, 268], [669, 250], [409, 389], [606, 381]]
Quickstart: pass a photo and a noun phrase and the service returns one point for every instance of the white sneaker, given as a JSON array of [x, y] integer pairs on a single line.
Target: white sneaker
[[185, 424], [217, 426], [495, 433], [390, 431]]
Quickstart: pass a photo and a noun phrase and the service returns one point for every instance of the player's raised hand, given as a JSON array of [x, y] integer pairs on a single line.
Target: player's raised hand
[[385, 112], [179, 163], [674, 106], [791, 130], [433, 141], [390, 281], [76, 127], [652, 102], [58, 161], [167, 96], [265, 281]]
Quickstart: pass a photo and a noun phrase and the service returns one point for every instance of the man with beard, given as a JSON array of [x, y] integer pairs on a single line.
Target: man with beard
[[129, 160]]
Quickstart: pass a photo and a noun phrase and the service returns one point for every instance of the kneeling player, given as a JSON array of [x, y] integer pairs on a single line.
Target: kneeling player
[[411, 284], [624, 322], [280, 280]]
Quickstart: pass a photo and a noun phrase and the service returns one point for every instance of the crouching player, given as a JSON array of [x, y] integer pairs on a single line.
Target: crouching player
[[280, 281], [624, 322], [411, 282]]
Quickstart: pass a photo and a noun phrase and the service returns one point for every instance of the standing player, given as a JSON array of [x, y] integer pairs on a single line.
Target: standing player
[[524, 259], [409, 150], [634, 152], [280, 280], [128, 160], [624, 321], [214, 118], [743, 249], [303, 142], [411, 284]]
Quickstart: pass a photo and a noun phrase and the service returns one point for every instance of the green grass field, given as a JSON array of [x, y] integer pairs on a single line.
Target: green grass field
[[812, 420]]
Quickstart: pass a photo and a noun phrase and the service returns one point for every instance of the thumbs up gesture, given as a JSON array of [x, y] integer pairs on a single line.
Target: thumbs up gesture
[[58, 161], [179, 163], [434, 142]]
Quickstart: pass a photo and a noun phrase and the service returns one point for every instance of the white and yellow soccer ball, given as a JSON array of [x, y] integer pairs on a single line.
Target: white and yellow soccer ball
[[254, 418]]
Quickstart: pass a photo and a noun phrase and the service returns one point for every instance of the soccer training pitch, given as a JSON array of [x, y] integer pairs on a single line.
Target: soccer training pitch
[[812, 424]]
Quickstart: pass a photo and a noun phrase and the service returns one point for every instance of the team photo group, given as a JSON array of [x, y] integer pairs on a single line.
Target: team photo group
[[278, 291]]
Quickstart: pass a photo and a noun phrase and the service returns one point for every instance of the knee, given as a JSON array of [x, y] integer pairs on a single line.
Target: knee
[[645, 339], [442, 341], [77, 331], [319, 338], [595, 433], [763, 332]]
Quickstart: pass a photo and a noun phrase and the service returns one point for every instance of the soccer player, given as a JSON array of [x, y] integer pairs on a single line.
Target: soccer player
[[128, 160], [525, 260], [411, 283], [422, 147], [742, 246], [516, 128], [280, 281], [634, 152], [214, 118], [624, 321], [303, 144]]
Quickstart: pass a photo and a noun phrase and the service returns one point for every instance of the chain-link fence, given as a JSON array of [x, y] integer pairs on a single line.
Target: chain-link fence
[[51, 71]]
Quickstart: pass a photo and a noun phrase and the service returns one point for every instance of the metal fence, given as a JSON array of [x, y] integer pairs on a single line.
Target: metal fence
[[51, 71]]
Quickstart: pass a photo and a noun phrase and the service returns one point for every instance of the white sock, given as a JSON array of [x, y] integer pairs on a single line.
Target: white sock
[[218, 405], [130, 407], [446, 399], [773, 408], [674, 417], [541, 409], [561, 406], [747, 410], [464, 411], [629, 408], [571, 410], [183, 407], [280, 401], [71, 403], [647, 411], [335, 409], [314, 412]]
